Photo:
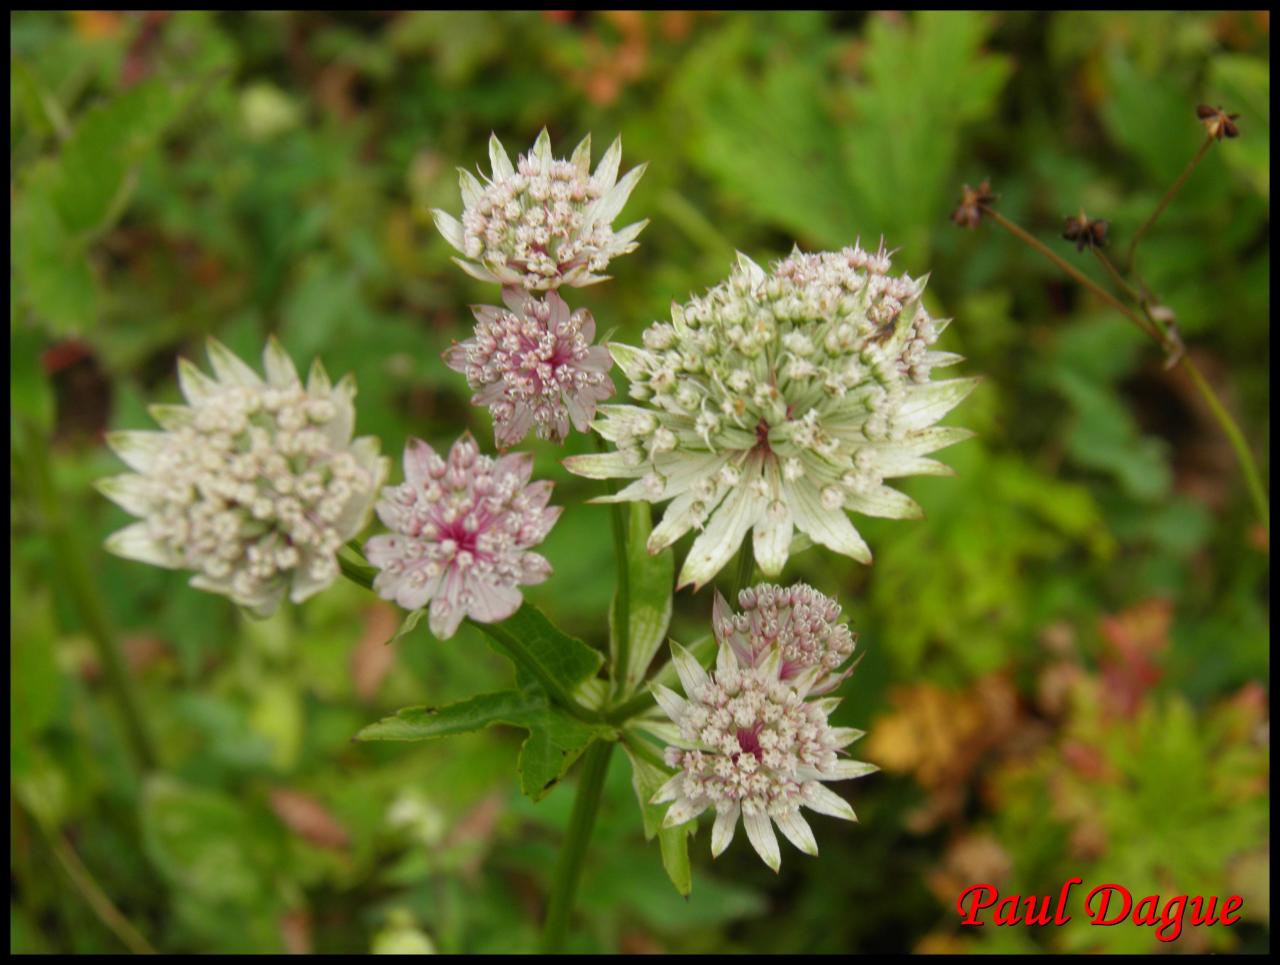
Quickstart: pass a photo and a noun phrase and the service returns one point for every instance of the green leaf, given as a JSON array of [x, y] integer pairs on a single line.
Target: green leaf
[[1243, 84], [557, 659], [29, 391], [35, 682], [926, 78], [1150, 116], [554, 743], [520, 708], [555, 739], [650, 580], [881, 159], [50, 263], [748, 130], [31, 101], [646, 778], [408, 624], [107, 142]]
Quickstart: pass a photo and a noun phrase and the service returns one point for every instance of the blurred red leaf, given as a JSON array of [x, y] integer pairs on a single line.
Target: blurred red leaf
[[372, 658], [309, 819]]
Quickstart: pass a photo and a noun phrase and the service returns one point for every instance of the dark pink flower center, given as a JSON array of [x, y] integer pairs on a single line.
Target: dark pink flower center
[[749, 741]]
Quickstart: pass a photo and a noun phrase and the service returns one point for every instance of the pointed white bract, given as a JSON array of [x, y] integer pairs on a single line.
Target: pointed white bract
[[253, 485], [462, 529], [778, 402], [543, 222], [532, 363], [801, 622], [750, 743]]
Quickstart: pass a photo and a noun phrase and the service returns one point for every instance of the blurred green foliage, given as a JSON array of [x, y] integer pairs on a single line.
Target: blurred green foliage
[[177, 175]]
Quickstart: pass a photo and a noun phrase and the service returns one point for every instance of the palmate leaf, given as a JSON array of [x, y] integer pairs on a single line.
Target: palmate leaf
[[650, 579], [555, 739], [878, 158]]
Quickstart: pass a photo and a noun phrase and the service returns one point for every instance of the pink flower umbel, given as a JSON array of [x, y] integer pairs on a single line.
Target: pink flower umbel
[[461, 533], [800, 620], [751, 745], [533, 364]]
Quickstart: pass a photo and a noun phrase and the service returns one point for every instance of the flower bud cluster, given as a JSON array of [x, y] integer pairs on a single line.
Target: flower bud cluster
[[801, 622]]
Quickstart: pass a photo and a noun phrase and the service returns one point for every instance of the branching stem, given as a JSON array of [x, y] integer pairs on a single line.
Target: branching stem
[[1166, 339]]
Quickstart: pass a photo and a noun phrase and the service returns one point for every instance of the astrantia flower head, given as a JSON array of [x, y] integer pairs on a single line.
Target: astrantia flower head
[[254, 484], [775, 403], [544, 222], [800, 622], [534, 365], [462, 529], [750, 745]]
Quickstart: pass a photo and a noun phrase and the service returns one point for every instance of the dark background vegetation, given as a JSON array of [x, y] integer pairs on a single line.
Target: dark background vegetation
[[1066, 661]]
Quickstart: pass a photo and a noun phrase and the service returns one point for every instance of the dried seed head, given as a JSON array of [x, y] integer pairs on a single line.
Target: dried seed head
[[1085, 232], [1217, 122], [972, 201]]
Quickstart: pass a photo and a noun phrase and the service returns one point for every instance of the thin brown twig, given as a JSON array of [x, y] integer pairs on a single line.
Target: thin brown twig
[[1164, 202], [1029, 239], [1249, 468], [82, 879]]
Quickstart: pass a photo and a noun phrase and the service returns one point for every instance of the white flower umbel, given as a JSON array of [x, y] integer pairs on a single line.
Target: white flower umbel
[[254, 484], [533, 364], [461, 533], [544, 222], [801, 622], [751, 745], [779, 401]]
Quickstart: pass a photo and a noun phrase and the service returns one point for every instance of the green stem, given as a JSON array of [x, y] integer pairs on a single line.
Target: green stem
[[694, 223], [76, 576], [622, 597], [103, 908], [1253, 481], [636, 705], [569, 868], [1128, 290], [1164, 202]]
